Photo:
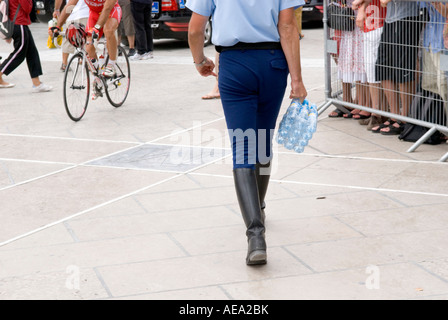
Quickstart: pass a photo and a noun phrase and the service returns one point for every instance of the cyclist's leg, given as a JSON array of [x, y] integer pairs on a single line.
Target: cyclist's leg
[[90, 48], [110, 29], [111, 40], [91, 51]]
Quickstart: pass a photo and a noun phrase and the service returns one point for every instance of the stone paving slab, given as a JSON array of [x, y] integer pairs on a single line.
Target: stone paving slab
[[100, 209]]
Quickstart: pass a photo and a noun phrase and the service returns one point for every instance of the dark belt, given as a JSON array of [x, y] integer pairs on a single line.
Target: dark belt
[[251, 46]]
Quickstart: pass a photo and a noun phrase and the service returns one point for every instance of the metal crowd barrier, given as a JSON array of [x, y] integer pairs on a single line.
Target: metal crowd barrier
[[420, 53]]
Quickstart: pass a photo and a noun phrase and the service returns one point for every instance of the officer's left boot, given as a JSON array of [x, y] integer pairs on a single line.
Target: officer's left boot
[[249, 202]]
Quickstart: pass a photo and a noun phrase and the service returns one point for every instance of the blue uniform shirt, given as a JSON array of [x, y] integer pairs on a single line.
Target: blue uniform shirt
[[248, 21]]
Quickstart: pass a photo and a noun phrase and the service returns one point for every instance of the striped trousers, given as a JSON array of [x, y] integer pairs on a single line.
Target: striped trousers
[[24, 49]]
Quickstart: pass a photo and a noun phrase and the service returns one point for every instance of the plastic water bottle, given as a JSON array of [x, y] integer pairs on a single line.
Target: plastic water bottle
[[312, 119], [303, 120], [297, 125], [52, 23]]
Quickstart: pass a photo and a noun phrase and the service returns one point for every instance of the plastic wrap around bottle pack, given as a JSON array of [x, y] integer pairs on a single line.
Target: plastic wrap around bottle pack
[[297, 125]]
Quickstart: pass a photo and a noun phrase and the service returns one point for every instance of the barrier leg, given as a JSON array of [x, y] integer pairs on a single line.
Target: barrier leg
[[420, 141], [444, 158], [323, 107]]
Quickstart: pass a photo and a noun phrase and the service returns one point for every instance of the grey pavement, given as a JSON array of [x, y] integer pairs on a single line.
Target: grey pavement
[[138, 202]]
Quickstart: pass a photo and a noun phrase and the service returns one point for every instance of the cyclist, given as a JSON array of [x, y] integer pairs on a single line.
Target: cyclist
[[104, 17]]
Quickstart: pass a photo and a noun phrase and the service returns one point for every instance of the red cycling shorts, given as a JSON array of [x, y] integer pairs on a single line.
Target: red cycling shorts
[[94, 16]]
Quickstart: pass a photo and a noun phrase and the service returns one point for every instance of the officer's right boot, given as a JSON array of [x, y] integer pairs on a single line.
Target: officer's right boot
[[263, 173]]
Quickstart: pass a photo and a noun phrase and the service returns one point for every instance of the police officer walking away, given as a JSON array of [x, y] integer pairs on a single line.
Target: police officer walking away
[[259, 45]]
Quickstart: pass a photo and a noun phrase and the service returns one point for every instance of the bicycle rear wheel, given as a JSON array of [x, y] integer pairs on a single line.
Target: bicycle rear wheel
[[76, 87], [117, 88]]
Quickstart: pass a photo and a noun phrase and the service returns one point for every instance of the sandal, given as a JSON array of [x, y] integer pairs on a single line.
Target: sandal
[[352, 113], [374, 121], [360, 116], [63, 67], [377, 128], [336, 113], [392, 129]]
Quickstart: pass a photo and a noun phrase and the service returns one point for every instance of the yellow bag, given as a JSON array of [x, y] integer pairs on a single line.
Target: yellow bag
[[50, 42]]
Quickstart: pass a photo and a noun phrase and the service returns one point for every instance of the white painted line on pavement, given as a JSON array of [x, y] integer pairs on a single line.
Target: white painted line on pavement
[[87, 210], [347, 157], [335, 185], [103, 204], [66, 138], [37, 161]]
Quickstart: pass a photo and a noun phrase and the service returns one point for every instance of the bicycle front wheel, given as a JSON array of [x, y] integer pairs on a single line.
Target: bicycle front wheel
[[76, 87], [117, 88]]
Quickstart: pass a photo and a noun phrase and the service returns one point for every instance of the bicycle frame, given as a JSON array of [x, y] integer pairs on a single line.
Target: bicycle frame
[[111, 86]]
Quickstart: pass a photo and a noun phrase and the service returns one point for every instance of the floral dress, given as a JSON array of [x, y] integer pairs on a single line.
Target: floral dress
[[351, 61]]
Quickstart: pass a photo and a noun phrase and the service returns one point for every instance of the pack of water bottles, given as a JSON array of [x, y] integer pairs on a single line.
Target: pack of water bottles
[[297, 125]]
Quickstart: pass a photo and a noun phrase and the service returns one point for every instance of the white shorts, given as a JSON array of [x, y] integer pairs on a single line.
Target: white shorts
[[66, 46], [371, 44], [433, 78]]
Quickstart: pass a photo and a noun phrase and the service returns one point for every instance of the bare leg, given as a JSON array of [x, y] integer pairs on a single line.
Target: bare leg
[[3, 82], [109, 31], [36, 81], [363, 100], [347, 92], [407, 90], [389, 89], [131, 41], [394, 101]]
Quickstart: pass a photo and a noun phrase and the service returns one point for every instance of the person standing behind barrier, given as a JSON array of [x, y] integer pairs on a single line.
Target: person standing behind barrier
[[433, 78], [126, 26], [141, 11], [397, 59], [24, 47], [351, 67], [258, 42], [442, 8], [79, 14], [370, 20]]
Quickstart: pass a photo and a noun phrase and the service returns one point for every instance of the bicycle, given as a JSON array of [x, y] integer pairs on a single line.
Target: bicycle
[[77, 80]]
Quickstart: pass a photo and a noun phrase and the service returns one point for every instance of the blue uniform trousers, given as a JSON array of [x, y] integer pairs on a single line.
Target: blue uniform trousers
[[252, 85]]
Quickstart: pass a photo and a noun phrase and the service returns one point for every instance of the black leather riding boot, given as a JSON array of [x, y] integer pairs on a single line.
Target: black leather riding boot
[[263, 173], [249, 201]]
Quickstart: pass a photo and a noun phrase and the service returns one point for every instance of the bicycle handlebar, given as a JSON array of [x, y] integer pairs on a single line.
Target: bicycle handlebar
[[55, 31]]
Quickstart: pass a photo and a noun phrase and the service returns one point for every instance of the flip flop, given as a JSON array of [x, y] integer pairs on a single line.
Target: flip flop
[[9, 85]]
